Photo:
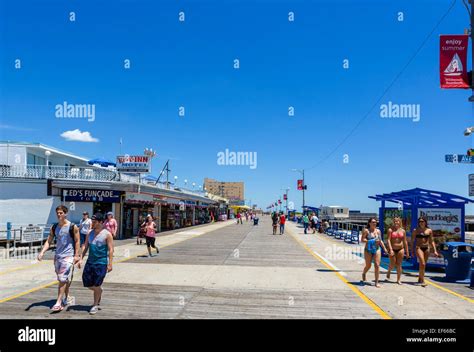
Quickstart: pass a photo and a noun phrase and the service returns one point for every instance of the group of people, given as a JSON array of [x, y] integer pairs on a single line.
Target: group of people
[[311, 221], [397, 248], [72, 244], [278, 219], [248, 215]]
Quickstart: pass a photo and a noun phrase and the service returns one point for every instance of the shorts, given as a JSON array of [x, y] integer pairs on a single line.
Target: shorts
[[64, 268], [150, 241], [83, 238], [94, 275]]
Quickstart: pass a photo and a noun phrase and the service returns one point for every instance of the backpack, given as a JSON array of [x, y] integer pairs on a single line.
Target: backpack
[[71, 230]]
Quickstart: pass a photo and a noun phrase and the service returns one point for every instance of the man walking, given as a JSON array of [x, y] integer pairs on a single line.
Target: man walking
[[99, 262], [305, 223], [282, 221], [314, 222], [66, 256]]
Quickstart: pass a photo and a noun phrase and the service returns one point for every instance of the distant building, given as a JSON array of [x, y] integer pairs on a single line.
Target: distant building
[[334, 212], [233, 191]]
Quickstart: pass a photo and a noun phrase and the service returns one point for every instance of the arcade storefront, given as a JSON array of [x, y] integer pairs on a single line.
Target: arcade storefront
[[136, 206]]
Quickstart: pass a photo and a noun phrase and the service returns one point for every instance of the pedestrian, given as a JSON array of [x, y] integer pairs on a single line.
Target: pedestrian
[[150, 235], [305, 220], [111, 224], [84, 226], [282, 221], [397, 248], [274, 222], [314, 222], [99, 263], [141, 231], [66, 256], [372, 238], [239, 218], [422, 239]]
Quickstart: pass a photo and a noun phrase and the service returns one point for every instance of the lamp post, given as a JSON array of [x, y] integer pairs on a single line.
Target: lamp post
[[175, 180], [304, 185]]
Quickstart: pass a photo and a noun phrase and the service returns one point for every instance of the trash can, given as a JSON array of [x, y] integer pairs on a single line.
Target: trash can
[[457, 260]]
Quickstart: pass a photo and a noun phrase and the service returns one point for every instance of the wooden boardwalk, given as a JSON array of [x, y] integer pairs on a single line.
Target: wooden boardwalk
[[238, 271]]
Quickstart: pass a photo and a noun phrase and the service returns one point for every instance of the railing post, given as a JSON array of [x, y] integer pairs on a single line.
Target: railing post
[[9, 235]]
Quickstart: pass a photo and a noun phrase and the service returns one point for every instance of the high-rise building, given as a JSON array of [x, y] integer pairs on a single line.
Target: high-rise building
[[234, 191]]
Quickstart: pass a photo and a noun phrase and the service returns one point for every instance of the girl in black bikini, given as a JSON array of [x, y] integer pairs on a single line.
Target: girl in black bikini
[[422, 238], [397, 247]]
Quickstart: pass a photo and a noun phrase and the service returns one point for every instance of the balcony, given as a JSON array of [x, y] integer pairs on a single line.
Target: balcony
[[57, 172], [83, 174]]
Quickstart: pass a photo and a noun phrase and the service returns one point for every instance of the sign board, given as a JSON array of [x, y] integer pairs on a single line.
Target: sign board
[[134, 163], [32, 234], [453, 61], [446, 226], [471, 185], [141, 197], [459, 158], [182, 206], [91, 195]]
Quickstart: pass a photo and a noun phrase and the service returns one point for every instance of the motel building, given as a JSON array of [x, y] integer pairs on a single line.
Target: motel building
[[35, 179]]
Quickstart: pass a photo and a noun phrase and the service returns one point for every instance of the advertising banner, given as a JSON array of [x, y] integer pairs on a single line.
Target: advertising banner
[[453, 61], [446, 227]]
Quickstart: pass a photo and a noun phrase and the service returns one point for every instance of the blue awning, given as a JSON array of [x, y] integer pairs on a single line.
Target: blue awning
[[423, 197]]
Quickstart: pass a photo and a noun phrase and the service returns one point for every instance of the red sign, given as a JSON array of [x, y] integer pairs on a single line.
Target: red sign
[[453, 61], [300, 185], [285, 197]]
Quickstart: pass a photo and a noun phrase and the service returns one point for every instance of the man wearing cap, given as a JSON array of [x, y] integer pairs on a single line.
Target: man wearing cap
[[99, 263], [84, 226], [111, 224]]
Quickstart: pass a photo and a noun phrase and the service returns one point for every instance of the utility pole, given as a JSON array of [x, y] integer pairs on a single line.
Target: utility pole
[[304, 187]]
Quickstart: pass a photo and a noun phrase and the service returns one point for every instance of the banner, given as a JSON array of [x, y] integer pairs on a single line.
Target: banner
[[300, 185], [134, 164], [446, 226], [453, 61]]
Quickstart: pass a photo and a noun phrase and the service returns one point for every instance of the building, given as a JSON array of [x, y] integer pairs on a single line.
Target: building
[[35, 179], [233, 191], [334, 212]]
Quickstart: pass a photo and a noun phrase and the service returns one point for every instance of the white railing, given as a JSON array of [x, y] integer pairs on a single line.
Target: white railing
[[83, 174], [57, 172]]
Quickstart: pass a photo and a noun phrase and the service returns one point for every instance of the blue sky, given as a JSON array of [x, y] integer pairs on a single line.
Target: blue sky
[[282, 64]]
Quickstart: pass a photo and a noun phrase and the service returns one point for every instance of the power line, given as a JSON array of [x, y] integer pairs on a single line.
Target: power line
[[377, 102]]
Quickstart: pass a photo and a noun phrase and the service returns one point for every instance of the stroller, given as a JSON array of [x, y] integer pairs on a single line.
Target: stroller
[[255, 221]]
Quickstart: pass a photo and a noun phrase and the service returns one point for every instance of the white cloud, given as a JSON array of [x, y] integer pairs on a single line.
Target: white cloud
[[15, 128], [78, 136]]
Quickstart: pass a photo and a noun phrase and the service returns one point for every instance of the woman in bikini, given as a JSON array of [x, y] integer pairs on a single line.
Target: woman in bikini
[[371, 236], [422, 238], [397, 248]]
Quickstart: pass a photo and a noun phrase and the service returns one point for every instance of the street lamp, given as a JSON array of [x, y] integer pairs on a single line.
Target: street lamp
[[185, 183], [194, 185], [304, 185], [175, 180], [47, 153]]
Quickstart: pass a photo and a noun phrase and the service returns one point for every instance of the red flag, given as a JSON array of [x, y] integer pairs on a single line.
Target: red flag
[[453, 61], [285, 197]]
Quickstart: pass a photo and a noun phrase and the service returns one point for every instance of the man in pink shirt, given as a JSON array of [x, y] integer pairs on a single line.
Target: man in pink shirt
[[111, 224]]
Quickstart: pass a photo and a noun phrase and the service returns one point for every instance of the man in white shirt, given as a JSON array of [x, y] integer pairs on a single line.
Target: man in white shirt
[[84, 226], [314, 222]]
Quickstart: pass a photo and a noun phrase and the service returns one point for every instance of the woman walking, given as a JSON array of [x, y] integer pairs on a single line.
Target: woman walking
[[372, 238], [150, 235], [397, 248], [422, 238]]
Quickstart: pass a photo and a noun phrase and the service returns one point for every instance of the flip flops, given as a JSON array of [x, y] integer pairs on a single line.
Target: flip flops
[[57, 308]]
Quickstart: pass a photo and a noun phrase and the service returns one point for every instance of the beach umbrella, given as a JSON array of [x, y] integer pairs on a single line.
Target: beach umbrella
[[101, 161]]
